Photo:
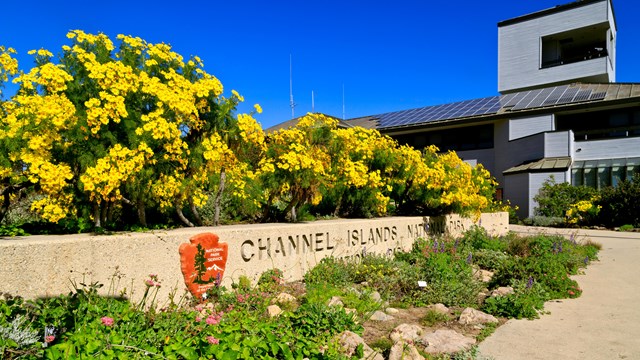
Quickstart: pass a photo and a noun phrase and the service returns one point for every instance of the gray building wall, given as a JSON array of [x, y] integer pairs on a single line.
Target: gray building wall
[[485, 157], [525, 126], [519, 49], [607, 149], [558, 143], [516, 190]]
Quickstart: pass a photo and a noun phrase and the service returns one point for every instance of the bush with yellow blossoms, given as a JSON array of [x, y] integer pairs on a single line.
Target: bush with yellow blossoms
[[115, 128], [109, 131], [582, 212]]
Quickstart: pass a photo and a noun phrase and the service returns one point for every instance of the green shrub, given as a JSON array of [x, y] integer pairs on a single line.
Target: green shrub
[[478, 238], [319, 320], [449, 280], [620, 205], [528, 298], [626, 227], [489, 259], [554, 199], [331, 270], [433, 317]]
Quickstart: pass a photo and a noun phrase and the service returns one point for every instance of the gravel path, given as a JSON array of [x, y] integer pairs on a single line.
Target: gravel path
[[604, 323]]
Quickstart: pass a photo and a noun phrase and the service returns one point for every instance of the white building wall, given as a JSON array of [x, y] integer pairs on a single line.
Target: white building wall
[[519, 48], [558, 144], [525, 126], [607, 149]]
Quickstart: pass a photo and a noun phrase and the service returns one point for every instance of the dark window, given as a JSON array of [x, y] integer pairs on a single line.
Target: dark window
[[601, 124], [458, 139], [574, 46]]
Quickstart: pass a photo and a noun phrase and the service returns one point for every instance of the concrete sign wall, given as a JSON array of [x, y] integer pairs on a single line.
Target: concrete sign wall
[[37, 266]]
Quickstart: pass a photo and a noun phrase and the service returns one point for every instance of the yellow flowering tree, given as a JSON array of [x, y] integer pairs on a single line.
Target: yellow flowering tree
[[113, 127], [359, 186], [295, 168]]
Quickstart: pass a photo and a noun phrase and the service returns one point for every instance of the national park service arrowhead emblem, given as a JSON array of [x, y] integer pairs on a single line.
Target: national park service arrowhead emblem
[[203, 261]]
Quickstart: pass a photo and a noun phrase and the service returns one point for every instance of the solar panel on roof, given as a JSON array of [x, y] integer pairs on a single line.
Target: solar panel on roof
[[524, 103], [582, 95], [598, 95], [515, 99], [538, 100], [555, 95], [568, 96]]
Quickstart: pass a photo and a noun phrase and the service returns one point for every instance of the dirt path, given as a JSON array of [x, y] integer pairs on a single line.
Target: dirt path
[[604, 323]]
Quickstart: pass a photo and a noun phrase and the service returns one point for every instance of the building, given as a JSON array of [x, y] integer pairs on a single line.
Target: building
[[560, 112]]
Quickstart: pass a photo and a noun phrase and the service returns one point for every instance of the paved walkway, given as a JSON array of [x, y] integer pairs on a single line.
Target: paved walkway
[[604, 323]]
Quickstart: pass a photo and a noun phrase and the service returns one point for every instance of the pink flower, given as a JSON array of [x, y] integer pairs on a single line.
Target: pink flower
[[212, 340], [213, 319], [198, 319], [49, 339], [571, 293], [106, 321]]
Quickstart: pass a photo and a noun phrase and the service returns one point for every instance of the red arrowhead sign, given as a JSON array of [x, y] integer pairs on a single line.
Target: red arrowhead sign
[[203, 261]]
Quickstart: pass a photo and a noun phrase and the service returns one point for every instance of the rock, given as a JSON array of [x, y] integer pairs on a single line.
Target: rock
[[482, 295], [471, 316], [350, 341], [274, 310], [406, 332], [391, 311], [404, 351], [483, 275], [375, 296], [446, 341], [440, 308], [502, 291], [380, 316], [284, 298], [335, 301]]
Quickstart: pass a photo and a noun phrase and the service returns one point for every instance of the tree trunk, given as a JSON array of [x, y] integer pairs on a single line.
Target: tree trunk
[[218, 199], [181, 216], [19, 189], [103, 213], [336, 212], [96, 216], [142, 215], [266, 212], [196, 214], [291, 208]]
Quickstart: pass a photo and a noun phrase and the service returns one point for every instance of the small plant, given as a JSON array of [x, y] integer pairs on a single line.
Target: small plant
[[433, 317], [382, 346], [19, 332], [489, 328], [626, 227], [271, 280]]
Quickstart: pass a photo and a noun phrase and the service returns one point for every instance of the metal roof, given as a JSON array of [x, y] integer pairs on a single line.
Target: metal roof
[[553, 10], [555, 97], [546, 164]]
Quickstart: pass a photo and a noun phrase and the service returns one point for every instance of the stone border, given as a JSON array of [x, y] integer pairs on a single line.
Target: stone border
[[37, 266]]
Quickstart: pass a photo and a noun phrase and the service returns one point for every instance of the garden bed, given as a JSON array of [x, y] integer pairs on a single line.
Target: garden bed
[[309, 319]]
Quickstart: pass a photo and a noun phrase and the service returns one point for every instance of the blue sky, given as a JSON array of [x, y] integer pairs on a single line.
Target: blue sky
[[388, 55]]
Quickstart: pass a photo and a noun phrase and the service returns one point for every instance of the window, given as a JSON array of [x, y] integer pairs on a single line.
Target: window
[[574, 46], [601, 124], [602, 173], [458, 139]]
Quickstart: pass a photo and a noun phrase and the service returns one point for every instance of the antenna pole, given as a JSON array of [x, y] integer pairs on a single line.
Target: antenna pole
[[291, 103], [342, 101]]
